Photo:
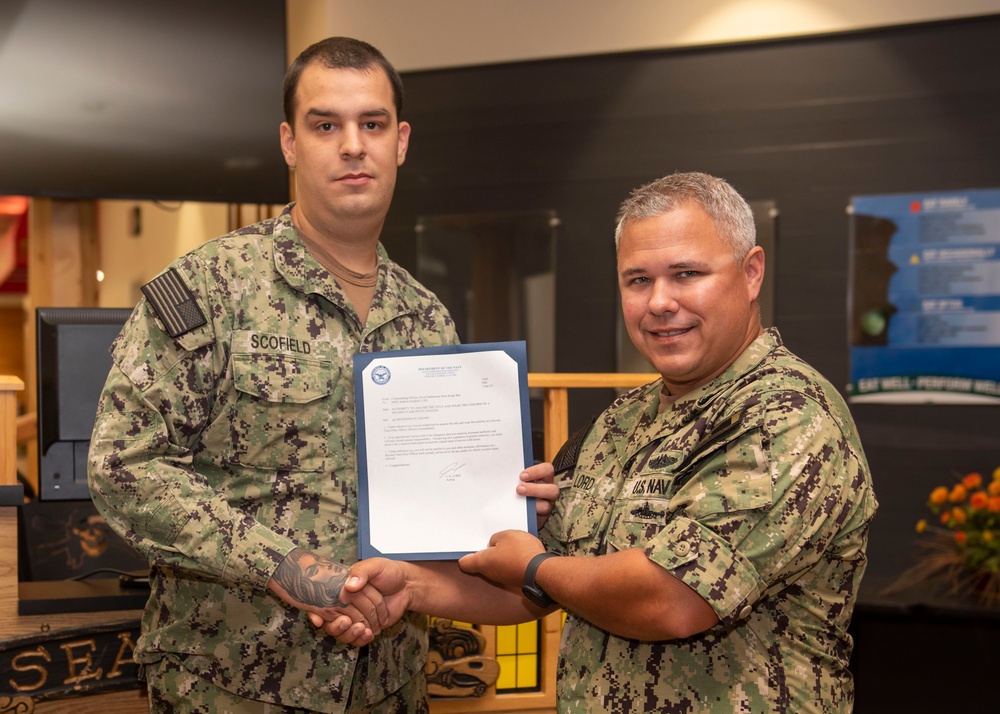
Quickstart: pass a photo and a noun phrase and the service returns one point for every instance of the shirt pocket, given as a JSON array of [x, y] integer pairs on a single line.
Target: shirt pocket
[[721, 477], [733, 479], [583, 520], [281, 416], [644, 507]]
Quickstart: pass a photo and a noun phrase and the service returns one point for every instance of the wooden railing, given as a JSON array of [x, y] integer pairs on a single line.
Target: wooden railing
[[557, 386]]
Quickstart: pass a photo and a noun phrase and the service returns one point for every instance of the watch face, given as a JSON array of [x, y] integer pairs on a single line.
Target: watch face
[[536, 595]]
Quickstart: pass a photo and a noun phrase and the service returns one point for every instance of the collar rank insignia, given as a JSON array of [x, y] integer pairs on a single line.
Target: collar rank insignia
[[173, 303]]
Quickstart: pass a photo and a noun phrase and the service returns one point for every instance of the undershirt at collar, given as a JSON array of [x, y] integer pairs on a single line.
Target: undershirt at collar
[[359, 287], [666, 400]]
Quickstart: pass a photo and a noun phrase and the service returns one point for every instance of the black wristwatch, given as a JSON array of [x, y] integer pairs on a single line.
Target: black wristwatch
[[530, 587]]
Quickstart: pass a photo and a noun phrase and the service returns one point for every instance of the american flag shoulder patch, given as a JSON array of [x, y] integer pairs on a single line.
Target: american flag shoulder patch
[[173, 302]]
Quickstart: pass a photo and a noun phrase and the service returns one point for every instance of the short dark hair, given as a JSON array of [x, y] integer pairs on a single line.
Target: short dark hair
[[340, 53]]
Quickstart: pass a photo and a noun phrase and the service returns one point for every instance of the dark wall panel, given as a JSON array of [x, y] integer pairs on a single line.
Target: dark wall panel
[[806, 123]]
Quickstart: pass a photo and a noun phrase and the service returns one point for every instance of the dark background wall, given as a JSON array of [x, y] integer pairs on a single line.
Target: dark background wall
[[807, 123]]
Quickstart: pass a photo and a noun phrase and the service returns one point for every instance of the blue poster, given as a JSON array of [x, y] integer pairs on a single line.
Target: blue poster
[[925, 298]]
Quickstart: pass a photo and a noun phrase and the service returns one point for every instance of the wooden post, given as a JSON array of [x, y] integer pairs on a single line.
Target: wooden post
[[8, 429], [63, 257]]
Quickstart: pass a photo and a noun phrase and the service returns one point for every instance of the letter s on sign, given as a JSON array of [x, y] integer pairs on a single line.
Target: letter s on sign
[[43, 673]]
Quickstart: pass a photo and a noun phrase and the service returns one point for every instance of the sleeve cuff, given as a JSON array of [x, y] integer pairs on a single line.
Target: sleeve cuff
[[256, 556], [709, 565]]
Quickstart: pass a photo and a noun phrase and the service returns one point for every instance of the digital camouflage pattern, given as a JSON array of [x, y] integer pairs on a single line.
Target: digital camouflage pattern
[[217, 452], [174, 689], [754, 491]]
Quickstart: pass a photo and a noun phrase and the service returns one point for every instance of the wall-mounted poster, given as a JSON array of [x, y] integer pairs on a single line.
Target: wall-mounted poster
[[925, 298]]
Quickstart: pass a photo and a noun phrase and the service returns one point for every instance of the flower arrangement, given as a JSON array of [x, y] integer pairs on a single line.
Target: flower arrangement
[[964, 546]]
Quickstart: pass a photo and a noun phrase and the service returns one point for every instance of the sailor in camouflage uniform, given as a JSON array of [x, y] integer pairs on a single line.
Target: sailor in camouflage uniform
[[224, 447], [738, 476], [710, 534], [753, 491]]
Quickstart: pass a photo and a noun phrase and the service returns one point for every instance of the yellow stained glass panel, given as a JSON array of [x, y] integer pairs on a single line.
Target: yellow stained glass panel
[[517, 648], [508, 672], [527, 671]]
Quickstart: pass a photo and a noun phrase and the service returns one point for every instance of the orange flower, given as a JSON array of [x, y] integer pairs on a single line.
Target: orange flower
[[993, 505], [994, 488], [973, 480], [958, 515], [960, 537], [921, 525], [940, 494], [945, 517], [979, 499], [958, 493], [996, 474]]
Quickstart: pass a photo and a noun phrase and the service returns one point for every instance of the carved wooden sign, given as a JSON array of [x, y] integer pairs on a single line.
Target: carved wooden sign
[[69, 663], [456, 665]]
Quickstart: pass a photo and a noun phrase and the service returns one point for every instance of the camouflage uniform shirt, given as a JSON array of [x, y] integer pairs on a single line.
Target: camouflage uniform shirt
[[217, 452], [754, 491]]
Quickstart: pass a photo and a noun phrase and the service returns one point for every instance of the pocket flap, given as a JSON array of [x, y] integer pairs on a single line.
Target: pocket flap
[[282, 378]]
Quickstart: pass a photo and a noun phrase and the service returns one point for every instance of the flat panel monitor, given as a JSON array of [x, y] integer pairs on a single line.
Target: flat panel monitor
[[73, 361]]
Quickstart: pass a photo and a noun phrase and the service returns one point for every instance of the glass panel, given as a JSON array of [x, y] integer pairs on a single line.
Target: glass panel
[[527, 672], [507, 680], [517, 653], [496, 273], [506, 637]]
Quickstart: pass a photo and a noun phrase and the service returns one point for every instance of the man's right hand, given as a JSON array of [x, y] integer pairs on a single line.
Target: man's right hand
[[386, 576], [316, 585]]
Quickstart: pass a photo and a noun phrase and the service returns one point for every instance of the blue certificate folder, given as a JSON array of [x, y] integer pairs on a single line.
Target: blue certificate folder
[[438, 430]]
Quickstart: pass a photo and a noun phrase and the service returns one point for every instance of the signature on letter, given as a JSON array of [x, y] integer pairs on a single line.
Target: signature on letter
[[451, 471]]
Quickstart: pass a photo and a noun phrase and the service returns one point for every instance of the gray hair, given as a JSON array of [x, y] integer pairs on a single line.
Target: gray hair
[[729, 211]]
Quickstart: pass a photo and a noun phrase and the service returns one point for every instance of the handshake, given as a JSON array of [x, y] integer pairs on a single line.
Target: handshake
[[355, 604]]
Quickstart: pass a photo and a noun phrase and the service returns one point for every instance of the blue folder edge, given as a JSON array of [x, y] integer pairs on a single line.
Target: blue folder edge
[[517, 350]]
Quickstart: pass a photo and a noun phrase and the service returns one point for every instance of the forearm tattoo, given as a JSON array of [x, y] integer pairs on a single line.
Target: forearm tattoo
[[312, 579]]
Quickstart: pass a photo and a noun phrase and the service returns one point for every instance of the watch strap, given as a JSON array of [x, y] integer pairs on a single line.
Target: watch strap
[[529, 577]]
